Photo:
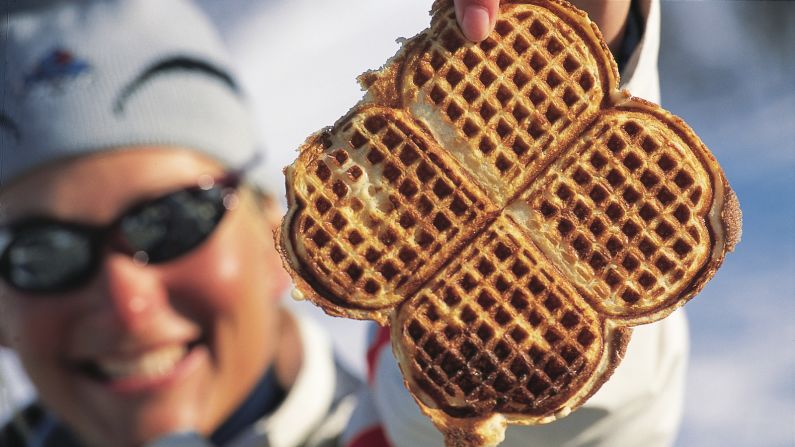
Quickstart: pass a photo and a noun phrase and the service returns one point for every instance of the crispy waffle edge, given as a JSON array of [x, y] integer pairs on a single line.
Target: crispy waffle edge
[[303, 280], [723, 221], [489, 430]]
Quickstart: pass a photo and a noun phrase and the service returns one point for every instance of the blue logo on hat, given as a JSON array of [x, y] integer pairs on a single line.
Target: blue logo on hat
[[57, 66]]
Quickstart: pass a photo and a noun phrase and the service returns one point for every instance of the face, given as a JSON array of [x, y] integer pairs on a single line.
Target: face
[[142, 350]]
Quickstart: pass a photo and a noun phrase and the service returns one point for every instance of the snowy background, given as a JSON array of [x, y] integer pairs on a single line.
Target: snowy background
[[727, 68]]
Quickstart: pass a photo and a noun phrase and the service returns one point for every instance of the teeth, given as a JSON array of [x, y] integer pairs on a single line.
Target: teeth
[[151, 364]]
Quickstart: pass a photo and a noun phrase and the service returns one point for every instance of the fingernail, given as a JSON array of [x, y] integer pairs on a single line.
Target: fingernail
[[475, 23]]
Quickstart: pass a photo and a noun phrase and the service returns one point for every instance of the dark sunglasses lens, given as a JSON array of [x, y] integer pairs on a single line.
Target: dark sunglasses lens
[[173, 225], [47, 258]]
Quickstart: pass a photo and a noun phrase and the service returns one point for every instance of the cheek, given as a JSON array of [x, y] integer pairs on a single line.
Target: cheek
[[35, 329], [230, 268]]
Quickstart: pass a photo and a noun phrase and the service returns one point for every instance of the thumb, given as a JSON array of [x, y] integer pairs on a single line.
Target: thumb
[[476, 17]]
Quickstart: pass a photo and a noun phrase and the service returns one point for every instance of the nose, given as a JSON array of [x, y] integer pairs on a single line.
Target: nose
[[134, 293]]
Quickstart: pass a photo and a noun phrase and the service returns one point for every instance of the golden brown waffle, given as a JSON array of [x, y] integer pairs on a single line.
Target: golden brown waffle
[[509, 212]]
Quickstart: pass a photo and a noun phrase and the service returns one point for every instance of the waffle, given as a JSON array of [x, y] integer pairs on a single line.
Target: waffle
[[509, 213]]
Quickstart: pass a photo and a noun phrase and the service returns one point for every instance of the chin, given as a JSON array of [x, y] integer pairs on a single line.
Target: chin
[[144, 424], [132, 410]]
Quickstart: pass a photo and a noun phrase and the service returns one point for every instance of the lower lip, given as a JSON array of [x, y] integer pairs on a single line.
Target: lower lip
[[146, 385]]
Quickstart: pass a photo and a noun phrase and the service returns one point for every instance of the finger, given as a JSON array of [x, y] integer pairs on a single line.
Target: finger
[[476, 17]]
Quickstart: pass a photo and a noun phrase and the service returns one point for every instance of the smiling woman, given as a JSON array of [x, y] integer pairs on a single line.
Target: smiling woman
[[138, 278], [146, 348]]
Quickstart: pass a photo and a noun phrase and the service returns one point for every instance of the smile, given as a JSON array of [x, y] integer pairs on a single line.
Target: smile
[[149, 365], [139, 372]]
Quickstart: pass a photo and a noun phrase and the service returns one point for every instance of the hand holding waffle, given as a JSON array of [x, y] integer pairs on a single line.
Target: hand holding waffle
[[509, 213], [478, 17]]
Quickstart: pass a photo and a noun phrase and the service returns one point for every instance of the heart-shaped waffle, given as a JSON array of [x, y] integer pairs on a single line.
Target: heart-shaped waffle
[[509, 212]]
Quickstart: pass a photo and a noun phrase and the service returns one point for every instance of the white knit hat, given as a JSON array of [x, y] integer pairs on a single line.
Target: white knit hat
[[84, 76]]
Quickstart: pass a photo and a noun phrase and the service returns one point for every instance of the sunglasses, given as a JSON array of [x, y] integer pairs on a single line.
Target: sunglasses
[[44, 255]]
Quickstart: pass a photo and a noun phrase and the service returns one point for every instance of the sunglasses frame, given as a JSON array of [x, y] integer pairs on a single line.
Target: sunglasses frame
[[109, 235]]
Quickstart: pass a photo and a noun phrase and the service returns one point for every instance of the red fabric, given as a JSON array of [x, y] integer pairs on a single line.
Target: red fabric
[[372, 437], [381, 340]]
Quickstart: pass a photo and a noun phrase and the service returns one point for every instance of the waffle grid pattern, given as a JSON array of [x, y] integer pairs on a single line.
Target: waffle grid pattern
[[523, 340], [410, 225], [516, 95], [526, 290], [623, 204]]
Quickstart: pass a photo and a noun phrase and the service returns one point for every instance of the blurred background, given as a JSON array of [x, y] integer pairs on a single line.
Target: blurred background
[[727, 68]]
